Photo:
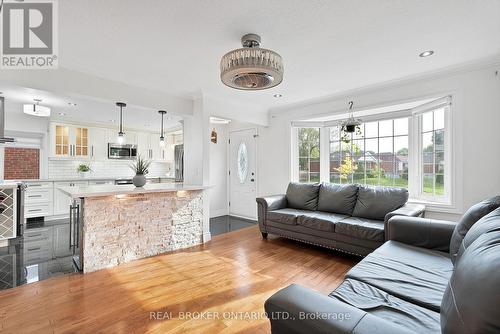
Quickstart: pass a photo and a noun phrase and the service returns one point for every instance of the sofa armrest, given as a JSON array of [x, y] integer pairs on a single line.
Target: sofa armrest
[[296, 309], [408, 210], [265, 204], [274, 202], [421, 232]]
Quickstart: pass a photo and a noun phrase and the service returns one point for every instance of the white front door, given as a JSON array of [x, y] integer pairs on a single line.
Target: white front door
[[242, 174]]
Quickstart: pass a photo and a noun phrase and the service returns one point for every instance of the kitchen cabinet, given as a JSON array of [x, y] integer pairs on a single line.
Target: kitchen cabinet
[[101, 182], [38, 199], [98, 138], [148, 145], [61, 200], [69, 141]]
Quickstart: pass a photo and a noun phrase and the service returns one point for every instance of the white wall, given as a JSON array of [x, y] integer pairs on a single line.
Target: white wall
[[476, 129], [218, 171]]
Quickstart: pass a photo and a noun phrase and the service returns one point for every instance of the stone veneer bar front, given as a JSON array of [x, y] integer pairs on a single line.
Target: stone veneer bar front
[[119, 224]]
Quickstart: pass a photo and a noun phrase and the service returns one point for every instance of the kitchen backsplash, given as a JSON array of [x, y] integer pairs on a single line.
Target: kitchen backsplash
[[108, 168]]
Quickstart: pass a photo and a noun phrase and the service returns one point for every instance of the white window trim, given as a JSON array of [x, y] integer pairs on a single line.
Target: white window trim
[[414, 146]]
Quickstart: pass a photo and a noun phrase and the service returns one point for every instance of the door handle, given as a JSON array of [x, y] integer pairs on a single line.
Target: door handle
[[252, 180]]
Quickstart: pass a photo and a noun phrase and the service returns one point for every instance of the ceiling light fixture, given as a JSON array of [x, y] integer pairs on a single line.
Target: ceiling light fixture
[[426, 53], [121, 135], [36, 109], [251, 67], [62, 114], [277, 96], [162, 138], [71, 104]]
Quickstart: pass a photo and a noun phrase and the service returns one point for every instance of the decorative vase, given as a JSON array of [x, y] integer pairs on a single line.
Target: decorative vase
[[139, 180], [84, 174]]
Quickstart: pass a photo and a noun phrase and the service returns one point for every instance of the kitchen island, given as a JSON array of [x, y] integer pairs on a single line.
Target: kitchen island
[[115, 224]]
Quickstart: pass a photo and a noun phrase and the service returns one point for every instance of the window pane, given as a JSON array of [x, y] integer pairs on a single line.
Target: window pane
[[427, 122], [335, 178], [401, 126], [371, 146], [371, 130], [439, 119], [334, 133], [385, 145], [438, 139], [427, 142], [401, 145], [309, 154], [385, 128], [433, 155]]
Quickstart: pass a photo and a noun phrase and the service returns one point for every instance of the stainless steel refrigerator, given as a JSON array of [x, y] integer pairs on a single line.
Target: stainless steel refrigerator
[[179, 163]]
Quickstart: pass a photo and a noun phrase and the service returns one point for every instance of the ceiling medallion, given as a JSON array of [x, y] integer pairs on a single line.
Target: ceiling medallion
[[251, 67]]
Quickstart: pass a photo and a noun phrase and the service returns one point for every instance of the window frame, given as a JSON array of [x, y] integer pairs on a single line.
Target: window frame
[[415, 147]]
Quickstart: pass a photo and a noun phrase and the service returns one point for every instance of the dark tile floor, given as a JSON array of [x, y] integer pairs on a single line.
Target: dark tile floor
[[43, 251], [224, 224]]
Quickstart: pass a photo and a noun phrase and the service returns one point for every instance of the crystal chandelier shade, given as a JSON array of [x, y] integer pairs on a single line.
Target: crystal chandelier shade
[[251, 67]]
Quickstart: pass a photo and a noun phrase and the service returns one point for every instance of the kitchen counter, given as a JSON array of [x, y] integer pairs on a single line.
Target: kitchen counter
[[115, 224], [70, 179], [110, 190]]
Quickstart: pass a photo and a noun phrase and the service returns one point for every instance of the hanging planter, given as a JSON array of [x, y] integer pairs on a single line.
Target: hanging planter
[[350, 125]]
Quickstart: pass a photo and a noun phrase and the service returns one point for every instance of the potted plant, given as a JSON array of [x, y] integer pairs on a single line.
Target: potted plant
[[83, 169], [140, 167]]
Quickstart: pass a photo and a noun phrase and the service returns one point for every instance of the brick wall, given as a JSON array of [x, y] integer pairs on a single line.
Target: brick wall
[[21, 163]]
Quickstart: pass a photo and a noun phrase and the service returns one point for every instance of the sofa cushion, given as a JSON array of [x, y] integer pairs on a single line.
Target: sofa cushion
[[285, 216], [337, 198], [361, 228], [471, 301], [414, 274], [302, 196], [376, 202], [487, 224], [383, 305], [322, 221], [470, 217]]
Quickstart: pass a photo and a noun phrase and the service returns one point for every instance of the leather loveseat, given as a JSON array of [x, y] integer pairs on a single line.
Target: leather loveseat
[[431, 276], [346, 217]]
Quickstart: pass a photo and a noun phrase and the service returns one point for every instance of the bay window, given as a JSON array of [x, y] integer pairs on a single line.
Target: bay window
[[409, 149]]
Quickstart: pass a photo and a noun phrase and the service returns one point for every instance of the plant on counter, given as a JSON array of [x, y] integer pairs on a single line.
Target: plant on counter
[[140, 166], [83, 169]]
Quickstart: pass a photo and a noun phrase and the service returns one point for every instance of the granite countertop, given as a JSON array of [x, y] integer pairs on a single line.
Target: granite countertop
[[110, 190]]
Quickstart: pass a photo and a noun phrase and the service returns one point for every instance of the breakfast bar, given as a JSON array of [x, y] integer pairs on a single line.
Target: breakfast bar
[[115, 224]]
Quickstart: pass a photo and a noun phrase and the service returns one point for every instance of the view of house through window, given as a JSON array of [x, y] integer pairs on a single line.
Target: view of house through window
[[377, 155], [309, 159], [408, 150]]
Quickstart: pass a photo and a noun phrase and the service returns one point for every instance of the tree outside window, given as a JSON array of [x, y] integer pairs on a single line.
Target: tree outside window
[[309, 154]]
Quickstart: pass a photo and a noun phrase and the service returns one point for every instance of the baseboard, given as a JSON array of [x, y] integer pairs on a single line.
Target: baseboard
[[218, 213]]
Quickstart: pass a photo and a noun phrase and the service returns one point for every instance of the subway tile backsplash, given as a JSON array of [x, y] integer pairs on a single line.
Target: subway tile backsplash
[[108, 168]]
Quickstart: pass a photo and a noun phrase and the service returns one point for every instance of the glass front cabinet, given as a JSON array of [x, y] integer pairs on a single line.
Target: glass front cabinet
[[69, 141]]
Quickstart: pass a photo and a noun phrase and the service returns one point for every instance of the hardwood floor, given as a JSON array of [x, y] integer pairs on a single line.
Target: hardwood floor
[[235, 272]]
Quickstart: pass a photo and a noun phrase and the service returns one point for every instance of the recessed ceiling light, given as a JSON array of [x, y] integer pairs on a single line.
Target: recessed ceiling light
[[112, 120], [36, 109], [62, 114], [277, 95], [426, 53], [71, 104]]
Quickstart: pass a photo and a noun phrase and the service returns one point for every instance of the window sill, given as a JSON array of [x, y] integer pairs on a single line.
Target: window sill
[[444, 207]]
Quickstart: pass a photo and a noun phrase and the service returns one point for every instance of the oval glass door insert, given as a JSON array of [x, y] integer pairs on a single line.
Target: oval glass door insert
[[242, 162]]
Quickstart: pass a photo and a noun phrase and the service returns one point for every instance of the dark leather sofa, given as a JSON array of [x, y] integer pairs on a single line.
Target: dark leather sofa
[[347, 217], [431, 276]]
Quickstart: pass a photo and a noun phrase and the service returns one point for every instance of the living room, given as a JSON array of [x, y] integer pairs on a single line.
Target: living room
[[292, 167]]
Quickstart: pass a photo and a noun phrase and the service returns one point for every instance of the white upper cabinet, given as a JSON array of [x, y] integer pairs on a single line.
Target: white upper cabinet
[[69, 141], [98, 143]]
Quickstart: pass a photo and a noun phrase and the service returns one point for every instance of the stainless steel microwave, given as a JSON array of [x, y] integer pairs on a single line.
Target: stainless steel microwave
[[117, 151]]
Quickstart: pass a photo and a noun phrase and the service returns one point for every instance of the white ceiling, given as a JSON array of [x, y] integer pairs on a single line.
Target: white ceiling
[[86, 110], [328, 46]]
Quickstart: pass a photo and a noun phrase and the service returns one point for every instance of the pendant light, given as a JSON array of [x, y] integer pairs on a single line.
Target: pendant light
[[121, 135], [162, 138]]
